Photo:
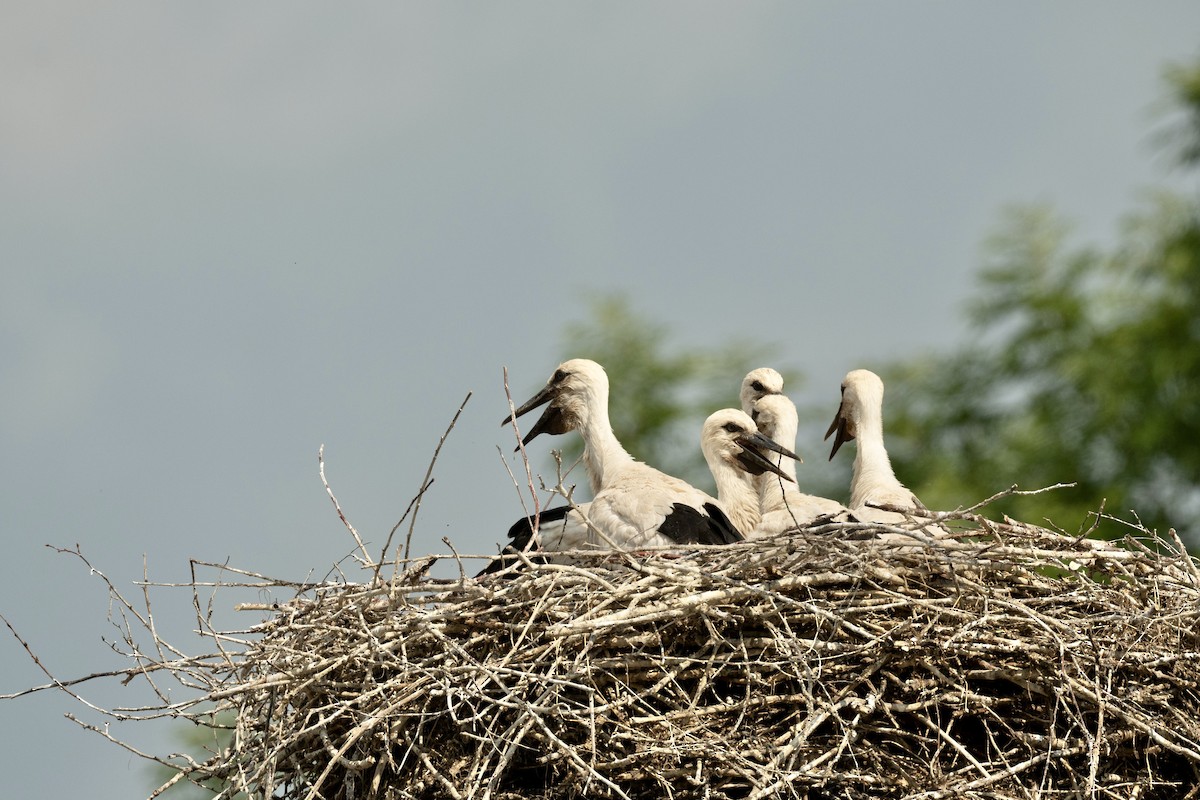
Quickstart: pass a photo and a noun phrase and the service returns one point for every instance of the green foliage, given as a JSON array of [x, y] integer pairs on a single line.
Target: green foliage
[[660, 395], [1184, 137], [1085, 367]]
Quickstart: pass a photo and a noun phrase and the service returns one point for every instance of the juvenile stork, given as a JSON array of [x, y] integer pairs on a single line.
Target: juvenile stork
[[785, 507], [634, 506], [734, 449], [873, 482]]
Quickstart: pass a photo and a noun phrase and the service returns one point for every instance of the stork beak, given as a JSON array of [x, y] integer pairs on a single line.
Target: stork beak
[[553, 421], [754, 461], [844, 434], [767, 443], [544, 396]]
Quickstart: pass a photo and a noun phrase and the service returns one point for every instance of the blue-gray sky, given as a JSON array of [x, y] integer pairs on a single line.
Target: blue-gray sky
[[234, 232]]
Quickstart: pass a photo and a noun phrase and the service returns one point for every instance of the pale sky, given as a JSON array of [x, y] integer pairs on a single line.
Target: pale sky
[[234, 232]]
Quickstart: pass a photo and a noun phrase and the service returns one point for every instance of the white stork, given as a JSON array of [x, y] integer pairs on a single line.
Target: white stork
[[873, 482], [635, 506], [785, 507], [733, 448]]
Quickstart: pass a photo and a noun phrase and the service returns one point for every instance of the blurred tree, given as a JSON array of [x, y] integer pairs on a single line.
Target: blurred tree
[[660, 395], [1182, 136], [1084, 366]]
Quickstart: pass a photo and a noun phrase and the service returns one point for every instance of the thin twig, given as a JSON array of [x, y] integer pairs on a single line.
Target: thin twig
[[366, 558], [425, 484]]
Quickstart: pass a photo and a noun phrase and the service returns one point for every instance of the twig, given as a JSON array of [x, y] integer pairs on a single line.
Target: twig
[[1013, 491], [512, 410], [366, 558], [425, 484]]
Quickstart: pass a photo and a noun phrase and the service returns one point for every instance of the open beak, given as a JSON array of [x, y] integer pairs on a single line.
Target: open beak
[[844, 434], [544, 396], [552, 421], [755, 461], [767, 443]]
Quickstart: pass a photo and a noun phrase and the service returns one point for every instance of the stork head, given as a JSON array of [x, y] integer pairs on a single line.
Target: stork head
[[572, 391], [862, 394], [759, 383], [730, 436], [772, 411]]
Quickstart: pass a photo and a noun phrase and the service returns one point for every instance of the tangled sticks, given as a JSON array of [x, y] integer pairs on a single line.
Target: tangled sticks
[[1009, 662]]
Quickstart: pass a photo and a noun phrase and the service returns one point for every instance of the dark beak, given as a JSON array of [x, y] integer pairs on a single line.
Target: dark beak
[[542, 397], [553, 421], [767, 443], [844, 434], [755, 461]]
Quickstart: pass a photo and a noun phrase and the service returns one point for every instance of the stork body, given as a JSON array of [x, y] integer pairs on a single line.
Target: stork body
[[634, 506], [785, 507]]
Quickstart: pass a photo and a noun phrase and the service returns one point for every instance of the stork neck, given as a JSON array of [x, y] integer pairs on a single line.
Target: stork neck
[[872, 468], [770, 492], [785, 435], [603, 454], [770, 489], [739, 496]]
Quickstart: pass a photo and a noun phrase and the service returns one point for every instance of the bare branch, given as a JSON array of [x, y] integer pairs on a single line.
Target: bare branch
[[366, 558]]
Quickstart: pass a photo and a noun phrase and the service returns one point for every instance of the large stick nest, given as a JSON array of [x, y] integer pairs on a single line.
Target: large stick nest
[[1007, 662]]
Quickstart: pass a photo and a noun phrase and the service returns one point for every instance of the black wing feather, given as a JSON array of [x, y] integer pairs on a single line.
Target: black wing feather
[[520, 537], [723, 529], [690, 525]]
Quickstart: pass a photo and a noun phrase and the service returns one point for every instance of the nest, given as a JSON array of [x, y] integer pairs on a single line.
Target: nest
[[1008, 661]]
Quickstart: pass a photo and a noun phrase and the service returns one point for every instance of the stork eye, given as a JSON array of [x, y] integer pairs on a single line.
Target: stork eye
[[559, 376], [757, 386], [733, 427]]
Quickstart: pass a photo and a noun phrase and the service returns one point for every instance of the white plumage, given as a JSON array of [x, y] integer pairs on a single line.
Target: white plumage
[[784, 507], [734, 450], [759, 383], [873, 482], [635, 506]]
